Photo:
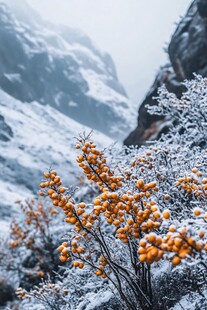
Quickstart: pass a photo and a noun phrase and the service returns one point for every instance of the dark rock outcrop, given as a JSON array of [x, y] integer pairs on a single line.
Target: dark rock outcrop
[[6, 132], [188, 54], [7, 293]]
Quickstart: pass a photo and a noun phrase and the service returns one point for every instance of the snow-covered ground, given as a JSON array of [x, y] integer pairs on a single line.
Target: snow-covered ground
[[42, 137]]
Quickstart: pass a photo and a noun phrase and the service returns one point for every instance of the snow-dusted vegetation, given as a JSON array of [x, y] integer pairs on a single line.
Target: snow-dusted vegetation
[[132, 235]]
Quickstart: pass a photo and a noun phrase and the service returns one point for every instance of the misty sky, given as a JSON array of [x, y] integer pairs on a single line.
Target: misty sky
[[134, 32]]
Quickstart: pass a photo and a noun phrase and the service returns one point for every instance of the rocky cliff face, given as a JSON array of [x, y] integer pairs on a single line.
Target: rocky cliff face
[[60, 66], [187, 54]]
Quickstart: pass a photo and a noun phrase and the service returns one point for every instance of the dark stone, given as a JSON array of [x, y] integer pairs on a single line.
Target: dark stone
[[202, 8], [30, 261], [28, 281], [5, 130], [188, 54], [7, 293]]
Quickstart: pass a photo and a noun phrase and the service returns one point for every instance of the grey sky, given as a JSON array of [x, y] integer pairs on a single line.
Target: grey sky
[[134, 32]]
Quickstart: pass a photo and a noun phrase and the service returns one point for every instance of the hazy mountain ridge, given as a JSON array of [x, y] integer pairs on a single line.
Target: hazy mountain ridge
[[61, 67]]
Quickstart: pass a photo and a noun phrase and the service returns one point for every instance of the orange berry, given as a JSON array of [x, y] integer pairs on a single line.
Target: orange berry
[[166, 214], [60, 248], [89, 225], [80, 211], [130, 221], [154, 208], [65, 244], [73, 243], [204, 181], [184, 230], [201, 234], [176, 260], [154, 252], [142, 258], [73, 220], [80, 250], [178, 242], [113, 186], [99, 272], [199, 246], [96, 202], [46, 175], [50, 191], [156, 214], [158, 240], [65, 251], [82, 205], [55, 202], [167, 196], [172, 228], [151, 237], [141, 250], [197, 212], [54, 196], [140, 184], [191, 241], [62, 190], [116, 222], [56, 180], [81, 265], [63, 258], [75, 264]]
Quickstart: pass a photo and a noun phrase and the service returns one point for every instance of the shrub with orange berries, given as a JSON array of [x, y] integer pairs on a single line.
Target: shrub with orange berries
[[140, 204], [150, 209], [31, 245]]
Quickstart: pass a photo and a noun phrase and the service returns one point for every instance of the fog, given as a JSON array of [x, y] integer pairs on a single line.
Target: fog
[[134, 32]]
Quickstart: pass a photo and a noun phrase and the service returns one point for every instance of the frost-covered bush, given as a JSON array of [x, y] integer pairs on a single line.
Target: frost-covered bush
[[33, 240], [28, 253], [187, 115], [74, 289], [146, 227]]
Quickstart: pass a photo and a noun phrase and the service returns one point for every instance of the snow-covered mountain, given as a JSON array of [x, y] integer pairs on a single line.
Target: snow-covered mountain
[[33, 137], [62, 67], [54, 83]]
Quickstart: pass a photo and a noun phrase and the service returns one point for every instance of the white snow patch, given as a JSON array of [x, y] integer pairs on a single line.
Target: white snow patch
[[95, 300], [10, 193], [72, 104], [13, 77], [99, 90], [4, 228]]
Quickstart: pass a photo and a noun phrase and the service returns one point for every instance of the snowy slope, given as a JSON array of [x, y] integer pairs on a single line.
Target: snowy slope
[[62, 67], [32, 138]]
